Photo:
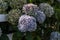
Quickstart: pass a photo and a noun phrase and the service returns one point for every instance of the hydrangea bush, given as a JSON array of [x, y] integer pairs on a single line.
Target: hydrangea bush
[[33, 20]]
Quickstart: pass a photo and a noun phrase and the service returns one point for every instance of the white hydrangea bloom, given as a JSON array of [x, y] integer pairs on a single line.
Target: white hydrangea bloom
[[0, 32], [30, 9], [27, 23], [55, 36], [40, 17], [47, 9]]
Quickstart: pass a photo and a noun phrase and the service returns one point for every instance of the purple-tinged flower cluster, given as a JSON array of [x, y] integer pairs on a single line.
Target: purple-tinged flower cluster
[[33, 10], [27, 23], [55, 36], [40, 17]]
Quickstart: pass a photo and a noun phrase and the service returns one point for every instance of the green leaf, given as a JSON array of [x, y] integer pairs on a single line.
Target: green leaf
[[17, 36], [38, 38], [4, 37], [29, 36], [57, 14]]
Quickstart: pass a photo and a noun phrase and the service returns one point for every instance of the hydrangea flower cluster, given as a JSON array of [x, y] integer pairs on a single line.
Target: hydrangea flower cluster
[[27, 23], [17, 3], [47, 9], [40, 17], [33, 14], [30, 9], [13, 16], [55, 36], [3, 6], [33, 10]]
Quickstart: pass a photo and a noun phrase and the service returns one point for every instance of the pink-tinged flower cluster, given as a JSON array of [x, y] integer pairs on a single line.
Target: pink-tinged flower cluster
[[30, 9]]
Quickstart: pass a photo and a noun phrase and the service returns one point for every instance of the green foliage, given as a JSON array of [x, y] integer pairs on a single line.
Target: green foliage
[[57, 14], [50, 24], [17, 36], [29, 36], [4, 37], [17, 3], [3, 7]]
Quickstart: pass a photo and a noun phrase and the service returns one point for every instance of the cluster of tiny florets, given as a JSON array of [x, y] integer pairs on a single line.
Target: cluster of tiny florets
[[55, 36], [17, 3], [47, 9], [27, 23], [40, 16], [14, 15], [3, 6], [30, 9]]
